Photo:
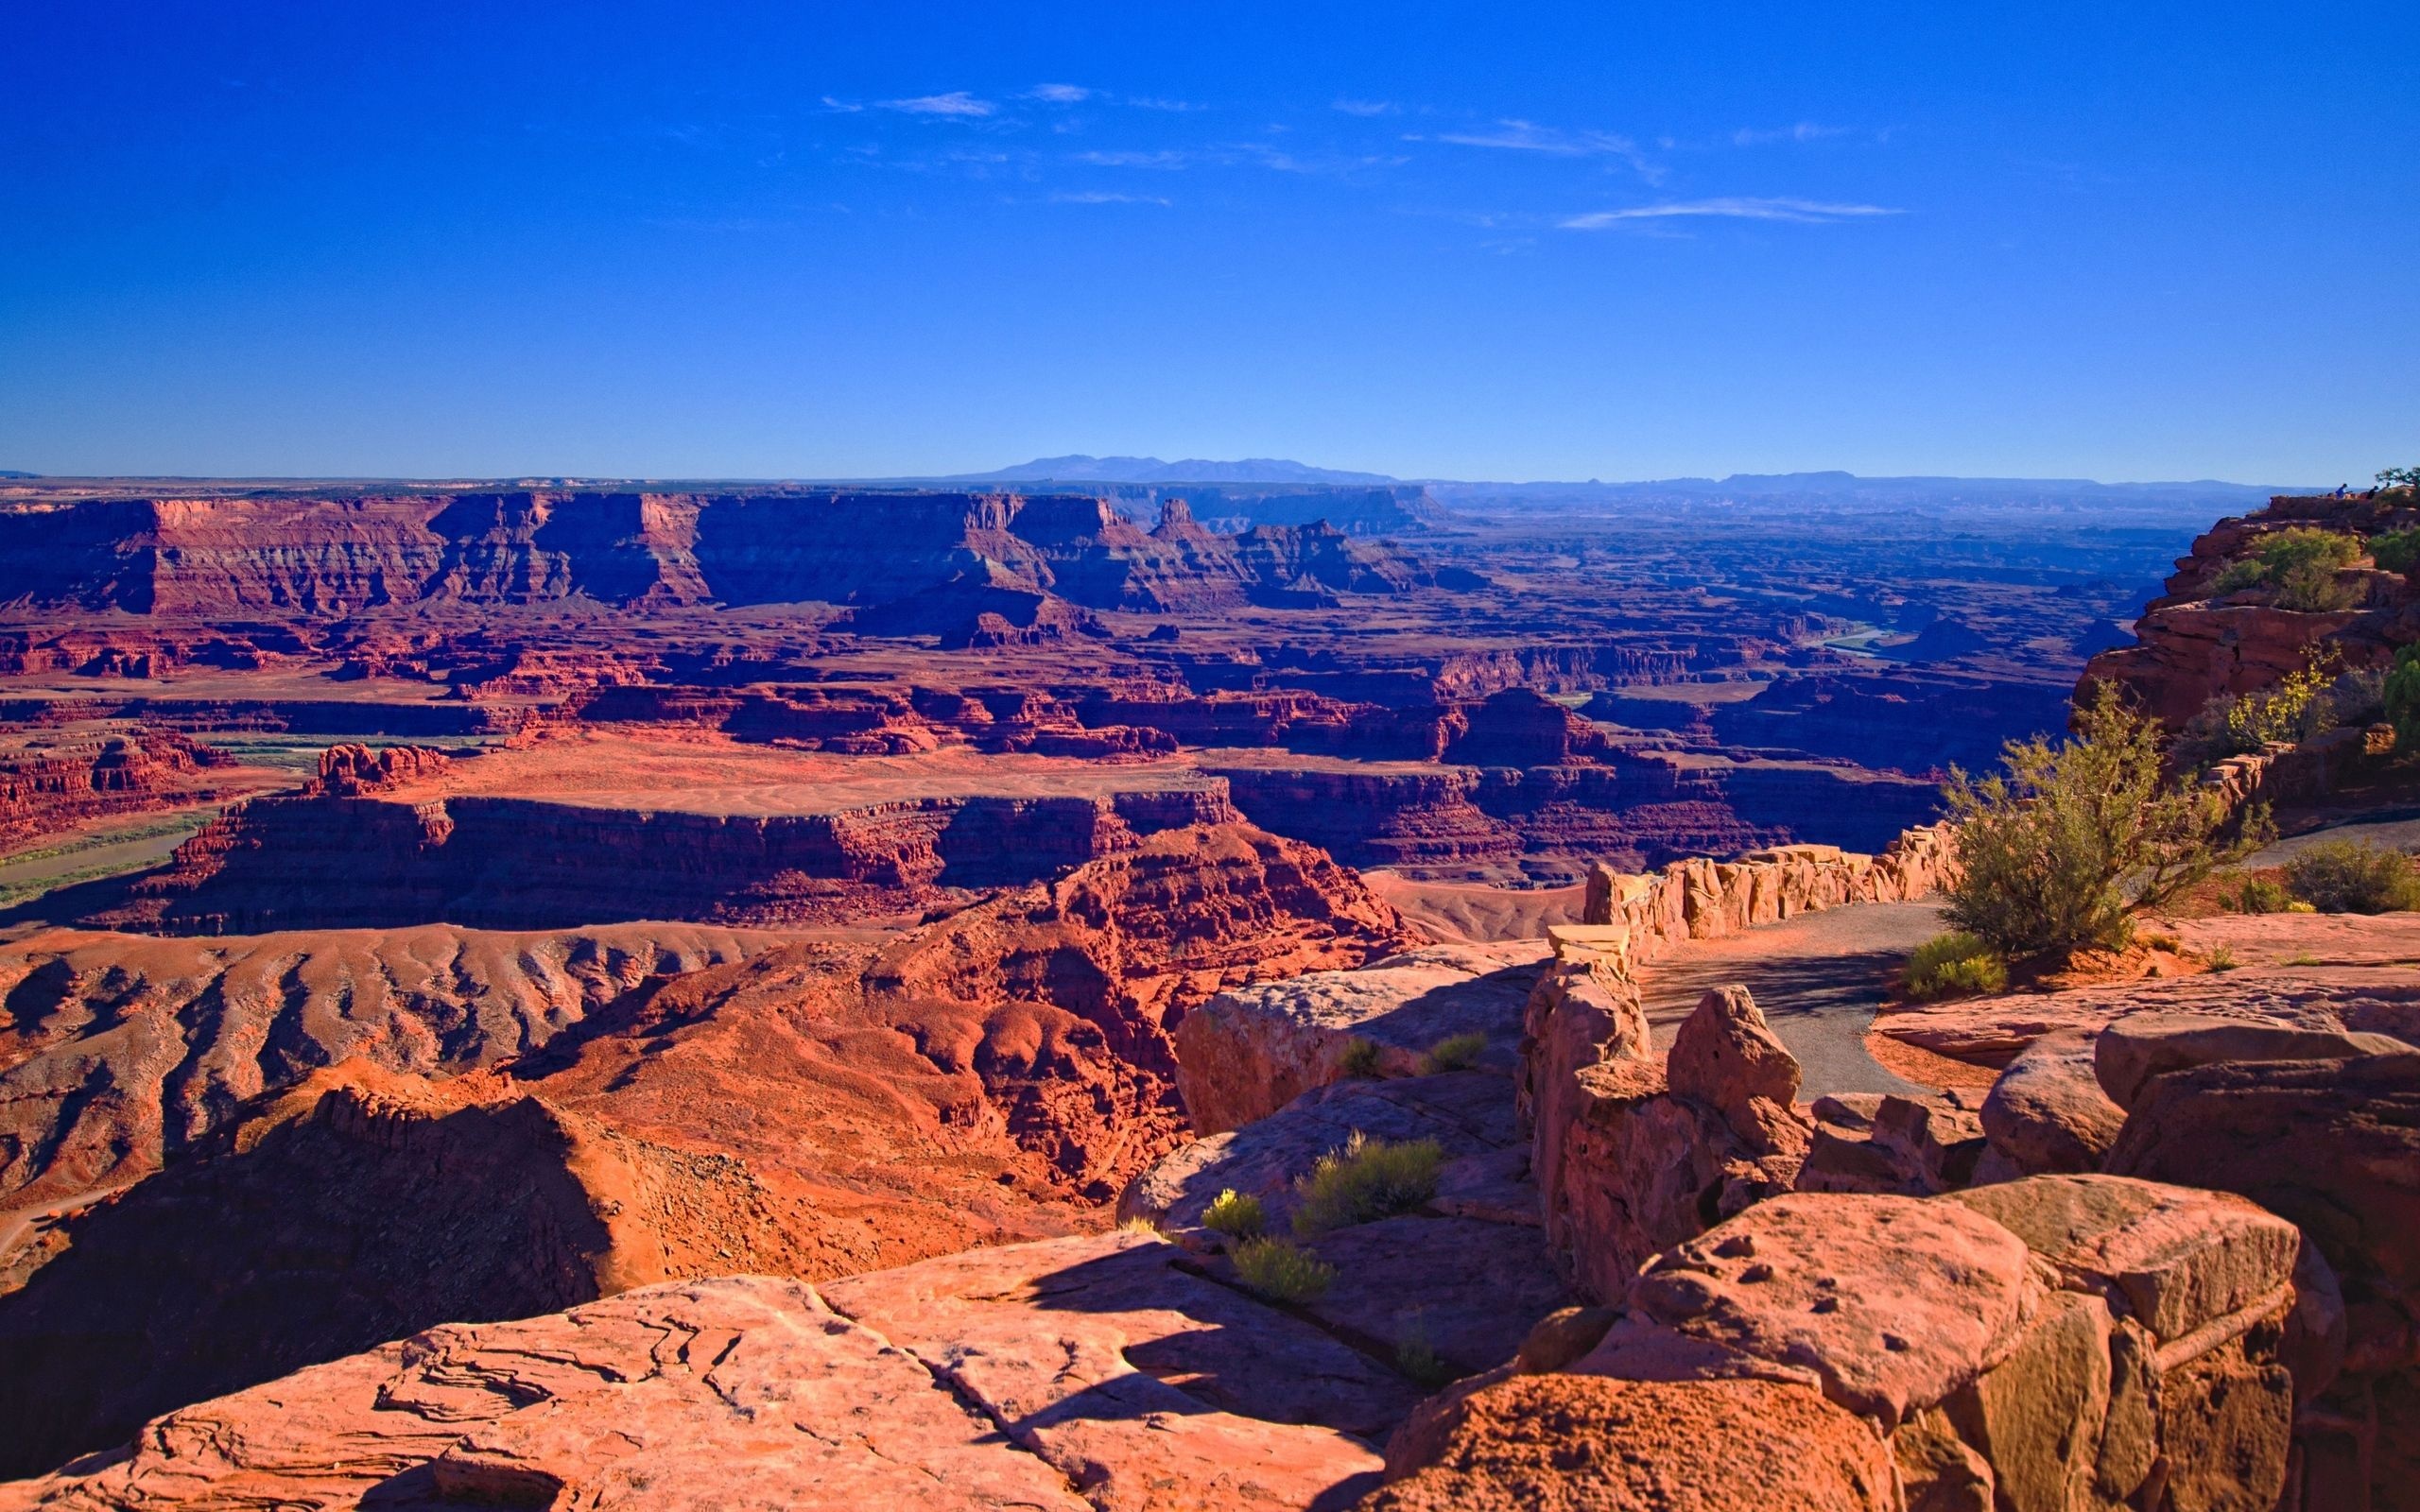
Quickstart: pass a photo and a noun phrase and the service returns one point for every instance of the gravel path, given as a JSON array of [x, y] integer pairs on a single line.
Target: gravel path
[[1818, 977]]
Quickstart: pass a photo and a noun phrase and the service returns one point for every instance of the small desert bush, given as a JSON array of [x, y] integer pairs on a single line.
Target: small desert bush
[[2299, 706], [2353, 877], [2056, 850], [2222, 959], [1418, 1359], [1456, 1052], [1364, 1181], [2401, 699], [1282, 1270], [2259, 895], [2396, 551], [1954, 965], [2299, 565], [1360, 1058], [1237, 1214]]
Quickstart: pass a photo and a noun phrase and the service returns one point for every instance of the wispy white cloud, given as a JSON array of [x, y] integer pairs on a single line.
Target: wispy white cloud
[[1803, 132], [1060, 93], [1813, 211], [1125, 159], [1527, 136], [1154, 102], [1103, 196], [842, 105], [1366, 107], [958, 102]]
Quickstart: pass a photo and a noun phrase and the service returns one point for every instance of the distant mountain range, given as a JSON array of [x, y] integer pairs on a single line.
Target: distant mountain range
[[1151, 470], [1828, 484]]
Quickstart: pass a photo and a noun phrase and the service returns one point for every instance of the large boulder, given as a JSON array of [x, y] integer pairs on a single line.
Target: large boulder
[[1627, 1163], [2047, 1113], [2137, 1048], [1893, 1304], [1581, 1442]]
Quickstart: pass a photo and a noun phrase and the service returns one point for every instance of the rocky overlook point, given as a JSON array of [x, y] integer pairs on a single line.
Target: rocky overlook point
[[584, 998]]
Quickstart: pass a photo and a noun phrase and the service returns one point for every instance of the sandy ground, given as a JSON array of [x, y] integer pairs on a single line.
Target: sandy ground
[[1819, 977], [1461, 912]]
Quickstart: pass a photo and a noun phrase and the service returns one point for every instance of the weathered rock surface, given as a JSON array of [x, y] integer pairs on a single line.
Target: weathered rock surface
[[738, 1393], [2140, 1046], [1587, 1444], [1991, 1031], [1633, 1159], [121, 1049], [2047, 1113], [360, 1207], [1468, 1114], [1893, 1304], [1247, 1052], [1145, 1384]]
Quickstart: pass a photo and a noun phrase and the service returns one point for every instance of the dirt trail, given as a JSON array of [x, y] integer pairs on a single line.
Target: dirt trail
[[1819, 979]]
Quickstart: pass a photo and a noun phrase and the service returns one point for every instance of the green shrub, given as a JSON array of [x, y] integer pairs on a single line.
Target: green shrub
[[1418, 1359], [1360, 1058], [1282, 1271], [1456, 1052], [2310, 588], [1237, 1214], [1955, 964], [2401, 700], [2300, 564], [2400, 478], [2353, 877], [2396, 551], [2259, 895], [2222, 959], [2053, 850], [1366, 1180]]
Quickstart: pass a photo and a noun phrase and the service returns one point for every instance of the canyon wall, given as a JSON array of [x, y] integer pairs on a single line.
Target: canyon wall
[[334, 862], [338, 556]]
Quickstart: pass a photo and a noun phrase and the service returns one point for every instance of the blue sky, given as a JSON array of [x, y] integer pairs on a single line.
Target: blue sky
[[1474, 241]]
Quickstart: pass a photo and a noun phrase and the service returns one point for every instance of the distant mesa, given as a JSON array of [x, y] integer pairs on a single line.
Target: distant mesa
[[1081, 469]]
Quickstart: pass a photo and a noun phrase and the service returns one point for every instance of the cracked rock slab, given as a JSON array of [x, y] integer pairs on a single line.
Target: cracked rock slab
[[744, 1393]]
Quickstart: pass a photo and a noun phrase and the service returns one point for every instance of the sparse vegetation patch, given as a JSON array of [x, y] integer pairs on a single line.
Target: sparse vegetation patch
[[1282, 1270], [1458, 1052], [1954, 965], [1237, 1214], [1365, 1180], [2354, 876]]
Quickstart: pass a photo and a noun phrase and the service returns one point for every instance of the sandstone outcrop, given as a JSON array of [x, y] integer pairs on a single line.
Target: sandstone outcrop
[[50, 784], [742, 1392], [122, 1050], [357, 1207], [2047, 1113], [337, 862], [2334, 1146], [2190, 647], [1245, 1054], [2054, 1343]]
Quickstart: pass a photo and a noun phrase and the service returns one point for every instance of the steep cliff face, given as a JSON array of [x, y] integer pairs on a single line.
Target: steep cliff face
[[50, 784], [1635, 811], [122, 1050], [332, 861], [338, 556], [2194, 645], [359, 1208]]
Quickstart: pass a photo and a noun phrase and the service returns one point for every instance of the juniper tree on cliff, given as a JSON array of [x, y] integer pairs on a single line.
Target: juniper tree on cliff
[[2059, 848]]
